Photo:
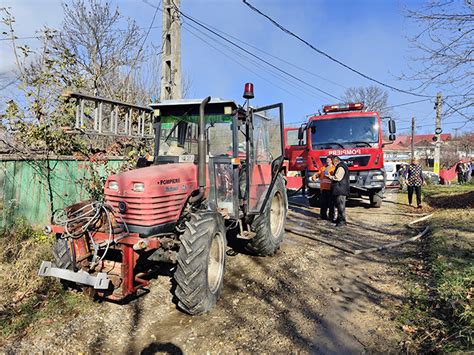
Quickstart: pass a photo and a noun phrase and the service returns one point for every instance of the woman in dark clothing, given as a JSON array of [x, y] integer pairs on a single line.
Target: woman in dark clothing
[[414, 179], [460, 172]]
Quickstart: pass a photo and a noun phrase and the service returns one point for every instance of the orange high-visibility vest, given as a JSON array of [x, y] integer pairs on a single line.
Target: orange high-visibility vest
[[325, 182]]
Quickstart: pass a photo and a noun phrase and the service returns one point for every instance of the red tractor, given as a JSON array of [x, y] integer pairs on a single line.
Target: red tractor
[[216, 167]]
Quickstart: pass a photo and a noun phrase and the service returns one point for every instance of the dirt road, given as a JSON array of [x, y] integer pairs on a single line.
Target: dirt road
[[310, 297]]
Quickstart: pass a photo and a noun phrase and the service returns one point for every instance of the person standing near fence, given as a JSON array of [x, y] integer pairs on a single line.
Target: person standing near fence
[[460, 172], [468, 171], [414, 180]]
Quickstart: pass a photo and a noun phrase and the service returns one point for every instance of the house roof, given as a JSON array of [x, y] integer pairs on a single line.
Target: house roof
[[404, 142]]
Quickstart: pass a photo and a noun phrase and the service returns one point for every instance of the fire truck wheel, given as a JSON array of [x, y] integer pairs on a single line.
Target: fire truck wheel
[[375, 200], [270, 225], [313, 198], [199, 273]]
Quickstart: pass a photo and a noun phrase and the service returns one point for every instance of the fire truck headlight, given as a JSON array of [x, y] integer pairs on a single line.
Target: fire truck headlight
[[138, 187], [378, 177], [113, 185]]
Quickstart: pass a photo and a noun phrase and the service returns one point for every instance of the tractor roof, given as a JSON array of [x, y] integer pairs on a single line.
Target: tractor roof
[[191, 102], [217, 110]]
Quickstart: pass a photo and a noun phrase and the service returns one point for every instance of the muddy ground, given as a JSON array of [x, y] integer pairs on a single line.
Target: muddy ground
[[310, 297]]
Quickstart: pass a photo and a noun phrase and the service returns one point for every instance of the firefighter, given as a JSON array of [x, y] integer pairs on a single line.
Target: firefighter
[[327, 200], [340, 189]]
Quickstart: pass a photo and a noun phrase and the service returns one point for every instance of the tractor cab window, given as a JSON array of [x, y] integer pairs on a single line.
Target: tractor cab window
[[267, 149], [178, 127], [220, 139], [178, 137]]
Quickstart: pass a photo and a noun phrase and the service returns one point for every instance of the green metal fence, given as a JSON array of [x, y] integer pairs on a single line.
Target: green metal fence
[[32, 188]]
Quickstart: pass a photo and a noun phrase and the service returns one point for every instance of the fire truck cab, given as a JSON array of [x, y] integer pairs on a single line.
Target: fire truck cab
[[353, 135]]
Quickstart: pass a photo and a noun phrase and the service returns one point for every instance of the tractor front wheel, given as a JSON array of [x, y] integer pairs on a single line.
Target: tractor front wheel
[[270, 225], [199, 274], [63, 260]]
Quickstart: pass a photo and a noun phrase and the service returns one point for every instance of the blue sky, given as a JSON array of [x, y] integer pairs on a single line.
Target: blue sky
[[370, 35]]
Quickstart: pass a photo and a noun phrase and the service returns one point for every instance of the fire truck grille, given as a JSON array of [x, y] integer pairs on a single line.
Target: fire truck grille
[[356, 160]]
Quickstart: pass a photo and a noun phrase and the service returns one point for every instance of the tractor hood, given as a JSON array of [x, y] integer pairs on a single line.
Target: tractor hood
[[153, 195]]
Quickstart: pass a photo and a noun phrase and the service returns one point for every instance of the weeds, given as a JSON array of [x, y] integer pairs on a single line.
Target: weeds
[[440, 315], [26, 298]]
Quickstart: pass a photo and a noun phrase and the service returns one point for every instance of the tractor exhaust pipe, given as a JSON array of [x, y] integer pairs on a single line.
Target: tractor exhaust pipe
[[202, 145]]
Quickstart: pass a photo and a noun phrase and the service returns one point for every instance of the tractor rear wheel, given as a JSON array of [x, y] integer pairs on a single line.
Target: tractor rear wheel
[[199, 273], [270, 225]]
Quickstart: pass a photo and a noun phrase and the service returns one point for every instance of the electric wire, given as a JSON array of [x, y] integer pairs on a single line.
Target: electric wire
[[143, 43], [271, 55], [240, 63], [282, 28], [268, 70], [433, 124], [252, 54], [456, 110], [407, 103]]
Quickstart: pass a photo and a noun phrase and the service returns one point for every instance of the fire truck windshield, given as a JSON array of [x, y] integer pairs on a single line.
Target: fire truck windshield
[[345, 132]]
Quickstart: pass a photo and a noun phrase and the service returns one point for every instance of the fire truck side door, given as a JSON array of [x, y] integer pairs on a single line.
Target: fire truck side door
[[295, 150]]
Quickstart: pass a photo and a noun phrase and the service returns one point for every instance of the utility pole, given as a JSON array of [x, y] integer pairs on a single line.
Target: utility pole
[[413, 137], [171, 52], [437, 150]]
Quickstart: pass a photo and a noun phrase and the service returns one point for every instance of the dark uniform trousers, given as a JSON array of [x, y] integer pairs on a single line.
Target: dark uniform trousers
[[327, 203], [341, 207]]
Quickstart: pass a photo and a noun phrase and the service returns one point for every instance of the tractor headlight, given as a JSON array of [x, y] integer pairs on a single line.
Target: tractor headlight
[[138, 187], [113, 185]]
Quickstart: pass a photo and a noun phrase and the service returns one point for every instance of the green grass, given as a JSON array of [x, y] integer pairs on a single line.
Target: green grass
[[440, 311], [447, 190]]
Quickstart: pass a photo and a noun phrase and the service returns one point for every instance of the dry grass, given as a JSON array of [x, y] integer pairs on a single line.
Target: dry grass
[[26, 298]]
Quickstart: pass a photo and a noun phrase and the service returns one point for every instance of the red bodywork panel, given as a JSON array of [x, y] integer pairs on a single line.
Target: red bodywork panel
[[167, 188], [304, 157], [296, 154], [376, 153]]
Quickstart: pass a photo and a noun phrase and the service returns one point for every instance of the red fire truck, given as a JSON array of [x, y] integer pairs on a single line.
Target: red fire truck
[[352, 134]]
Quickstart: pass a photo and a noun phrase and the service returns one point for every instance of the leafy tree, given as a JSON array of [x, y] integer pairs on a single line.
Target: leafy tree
[[446, 56], [373, 97], [91, 54]]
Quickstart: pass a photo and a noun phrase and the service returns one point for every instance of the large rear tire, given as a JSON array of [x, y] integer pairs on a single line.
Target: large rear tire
[[199, 274], [270, 225]]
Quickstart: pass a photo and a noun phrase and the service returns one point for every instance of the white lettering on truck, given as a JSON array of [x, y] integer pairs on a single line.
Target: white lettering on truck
[[344, 151]]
